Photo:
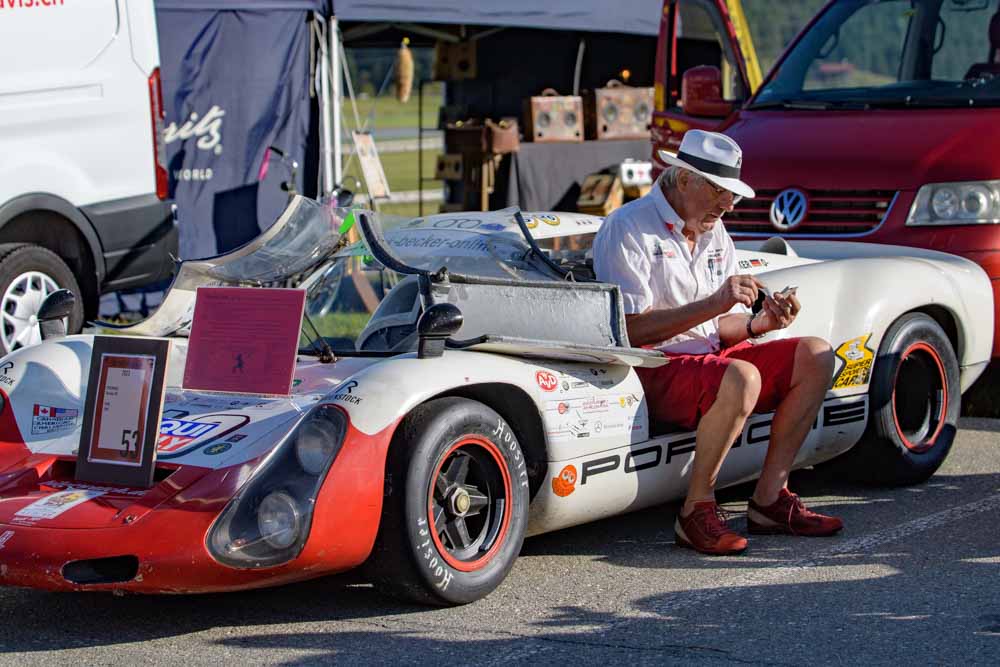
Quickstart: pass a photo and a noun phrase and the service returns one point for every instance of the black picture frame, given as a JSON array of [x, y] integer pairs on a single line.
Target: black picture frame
[[125, 386]]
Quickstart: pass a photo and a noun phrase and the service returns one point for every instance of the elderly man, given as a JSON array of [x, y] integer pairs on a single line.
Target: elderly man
[[676, 266]]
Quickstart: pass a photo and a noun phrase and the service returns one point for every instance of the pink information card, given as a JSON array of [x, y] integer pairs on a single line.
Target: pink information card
[[244, 340]]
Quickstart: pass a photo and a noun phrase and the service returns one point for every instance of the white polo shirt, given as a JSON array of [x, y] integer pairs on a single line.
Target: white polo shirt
[[640, 247]]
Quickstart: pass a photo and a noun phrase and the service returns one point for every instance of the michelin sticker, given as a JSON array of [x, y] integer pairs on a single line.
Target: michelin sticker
[[858, 359], [46, 419], [55, 504]]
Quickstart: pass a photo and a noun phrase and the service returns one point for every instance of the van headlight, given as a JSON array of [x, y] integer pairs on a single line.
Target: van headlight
[[267, 522], [965, 203]]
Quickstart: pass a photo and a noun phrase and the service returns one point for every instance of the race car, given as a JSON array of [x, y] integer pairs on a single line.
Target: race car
[[462, 382]]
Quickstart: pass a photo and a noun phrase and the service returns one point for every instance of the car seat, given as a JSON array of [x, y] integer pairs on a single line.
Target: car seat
[[393, 325], [990, 68]]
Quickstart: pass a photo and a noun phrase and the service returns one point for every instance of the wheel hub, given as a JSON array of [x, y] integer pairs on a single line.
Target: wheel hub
[[19, 309], [461, 502]]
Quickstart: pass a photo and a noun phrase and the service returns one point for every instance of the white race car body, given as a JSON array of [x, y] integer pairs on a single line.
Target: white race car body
[[577, 406]]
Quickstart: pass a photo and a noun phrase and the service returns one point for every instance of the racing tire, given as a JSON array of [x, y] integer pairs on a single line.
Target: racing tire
[[455, 464], [28, 273], [914, 402]]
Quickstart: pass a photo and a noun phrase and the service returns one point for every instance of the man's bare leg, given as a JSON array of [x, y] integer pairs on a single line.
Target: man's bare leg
[[719, 427], [811, 376]]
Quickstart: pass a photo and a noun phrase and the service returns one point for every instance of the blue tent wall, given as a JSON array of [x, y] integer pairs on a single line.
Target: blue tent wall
[[234, 82]]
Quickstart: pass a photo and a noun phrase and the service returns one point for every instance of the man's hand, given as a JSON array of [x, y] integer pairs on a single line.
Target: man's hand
[[735, 289], [779, 311]]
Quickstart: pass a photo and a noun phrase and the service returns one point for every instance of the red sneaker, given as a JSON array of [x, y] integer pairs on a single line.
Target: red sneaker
[[705, 530], [788, 516]]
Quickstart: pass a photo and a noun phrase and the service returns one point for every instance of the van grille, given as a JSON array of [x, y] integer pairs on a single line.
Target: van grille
[[829, 212]]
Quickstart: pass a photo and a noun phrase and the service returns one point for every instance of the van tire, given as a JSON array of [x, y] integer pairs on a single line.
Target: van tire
[[26, 265]]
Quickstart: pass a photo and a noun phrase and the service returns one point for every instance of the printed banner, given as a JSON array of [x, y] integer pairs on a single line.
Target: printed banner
[[234, 83]]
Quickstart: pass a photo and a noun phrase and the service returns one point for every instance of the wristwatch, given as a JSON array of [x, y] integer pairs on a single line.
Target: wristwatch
[[750, 333]]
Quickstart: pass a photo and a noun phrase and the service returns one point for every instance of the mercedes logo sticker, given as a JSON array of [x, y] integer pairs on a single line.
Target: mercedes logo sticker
[[788, 209]]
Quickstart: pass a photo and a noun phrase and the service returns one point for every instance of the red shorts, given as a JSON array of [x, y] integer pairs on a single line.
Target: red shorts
[[683, 390]]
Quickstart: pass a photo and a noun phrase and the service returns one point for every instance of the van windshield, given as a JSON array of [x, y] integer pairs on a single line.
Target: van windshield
[[890, 53]]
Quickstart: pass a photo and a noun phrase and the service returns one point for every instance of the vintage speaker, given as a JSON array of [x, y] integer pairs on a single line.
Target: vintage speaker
[[454, 61], [600, 194], [449, 167], [618, 112], [552, 117]]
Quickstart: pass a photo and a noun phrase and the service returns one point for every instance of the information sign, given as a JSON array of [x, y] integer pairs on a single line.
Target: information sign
[[122, 411]]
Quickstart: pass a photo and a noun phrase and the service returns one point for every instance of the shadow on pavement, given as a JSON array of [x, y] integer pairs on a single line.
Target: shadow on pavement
[[950, 609]]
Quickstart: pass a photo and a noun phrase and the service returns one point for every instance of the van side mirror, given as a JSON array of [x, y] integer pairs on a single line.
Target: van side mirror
[[701, 93], [54, 310]]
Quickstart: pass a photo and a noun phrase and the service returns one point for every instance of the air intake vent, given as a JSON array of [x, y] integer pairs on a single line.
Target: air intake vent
[[114, 570]]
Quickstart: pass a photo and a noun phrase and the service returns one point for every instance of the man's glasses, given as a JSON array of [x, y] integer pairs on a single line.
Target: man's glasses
[[721, 191]]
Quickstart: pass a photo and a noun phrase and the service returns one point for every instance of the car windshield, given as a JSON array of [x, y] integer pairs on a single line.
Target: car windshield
[[890, 53], [345, 292]]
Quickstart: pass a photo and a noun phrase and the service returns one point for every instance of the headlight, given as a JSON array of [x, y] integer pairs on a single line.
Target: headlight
[[267, 522], [318, 439], [968, 203], [279, 520]]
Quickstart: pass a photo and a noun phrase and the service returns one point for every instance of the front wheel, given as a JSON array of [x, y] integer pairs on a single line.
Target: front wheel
[[915, 400], [28, 274], [455, 507]]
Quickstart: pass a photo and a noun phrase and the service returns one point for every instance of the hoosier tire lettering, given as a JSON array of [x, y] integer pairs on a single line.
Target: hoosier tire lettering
[[454, 518]]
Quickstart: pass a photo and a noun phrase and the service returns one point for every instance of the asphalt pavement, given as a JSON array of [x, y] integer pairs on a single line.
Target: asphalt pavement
[[914, 579]]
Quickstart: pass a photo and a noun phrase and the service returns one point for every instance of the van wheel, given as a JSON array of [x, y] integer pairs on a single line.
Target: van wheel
[[915, 401], [29, 273], [455, 507]]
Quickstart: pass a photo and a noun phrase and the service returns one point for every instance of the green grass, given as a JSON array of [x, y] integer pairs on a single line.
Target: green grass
[[401, 170], [390, 112], [337, 325]]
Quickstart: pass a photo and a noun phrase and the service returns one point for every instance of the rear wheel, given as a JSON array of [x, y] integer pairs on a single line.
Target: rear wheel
[[456, 505], [915, 401], [28, 274]]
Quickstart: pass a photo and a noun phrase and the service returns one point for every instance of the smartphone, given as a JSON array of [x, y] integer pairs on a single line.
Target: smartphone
[[762, 294]]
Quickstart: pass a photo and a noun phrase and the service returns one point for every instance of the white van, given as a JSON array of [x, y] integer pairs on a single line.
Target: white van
[[83, 186]]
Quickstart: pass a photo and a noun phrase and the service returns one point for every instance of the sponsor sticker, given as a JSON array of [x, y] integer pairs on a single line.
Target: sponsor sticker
[[180, 434], [565, 483], [47, 419], [754, 263], [55, 504], [547, 381], [858, 359], [5, 368], [218, 448], [345, 394]]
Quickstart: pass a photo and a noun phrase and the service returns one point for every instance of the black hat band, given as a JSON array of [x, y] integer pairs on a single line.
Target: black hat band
[[710, 167]]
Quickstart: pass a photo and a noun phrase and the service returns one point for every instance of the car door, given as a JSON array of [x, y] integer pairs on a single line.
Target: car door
[[697, 33]]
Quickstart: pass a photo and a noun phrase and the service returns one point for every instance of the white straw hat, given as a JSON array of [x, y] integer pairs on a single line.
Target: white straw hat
[[712, 155]]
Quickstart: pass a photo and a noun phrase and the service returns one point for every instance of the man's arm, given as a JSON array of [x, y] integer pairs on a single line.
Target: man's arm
[[655, 325]]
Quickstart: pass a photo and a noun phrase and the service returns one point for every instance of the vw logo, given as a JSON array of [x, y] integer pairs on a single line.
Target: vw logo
[[788, 209]]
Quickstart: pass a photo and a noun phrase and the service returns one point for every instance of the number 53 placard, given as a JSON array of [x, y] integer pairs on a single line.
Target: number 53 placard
[[122, 411]]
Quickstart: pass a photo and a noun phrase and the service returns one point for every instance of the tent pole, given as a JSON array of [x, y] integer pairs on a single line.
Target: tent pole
[[335, 171]]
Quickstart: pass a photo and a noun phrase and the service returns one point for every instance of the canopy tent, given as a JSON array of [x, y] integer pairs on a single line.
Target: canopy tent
[[210, 49], [637, 17]]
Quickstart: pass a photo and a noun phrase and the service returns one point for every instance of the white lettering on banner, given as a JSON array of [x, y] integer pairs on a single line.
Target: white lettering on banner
[[208, 130]]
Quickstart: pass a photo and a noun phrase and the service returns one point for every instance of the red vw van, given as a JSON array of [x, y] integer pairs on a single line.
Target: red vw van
[[879, 123]]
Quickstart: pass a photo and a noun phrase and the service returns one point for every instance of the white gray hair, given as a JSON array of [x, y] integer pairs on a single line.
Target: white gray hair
[[672, 174]]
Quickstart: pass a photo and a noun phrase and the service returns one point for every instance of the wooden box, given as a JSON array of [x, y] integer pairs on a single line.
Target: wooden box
[[618, 112]]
